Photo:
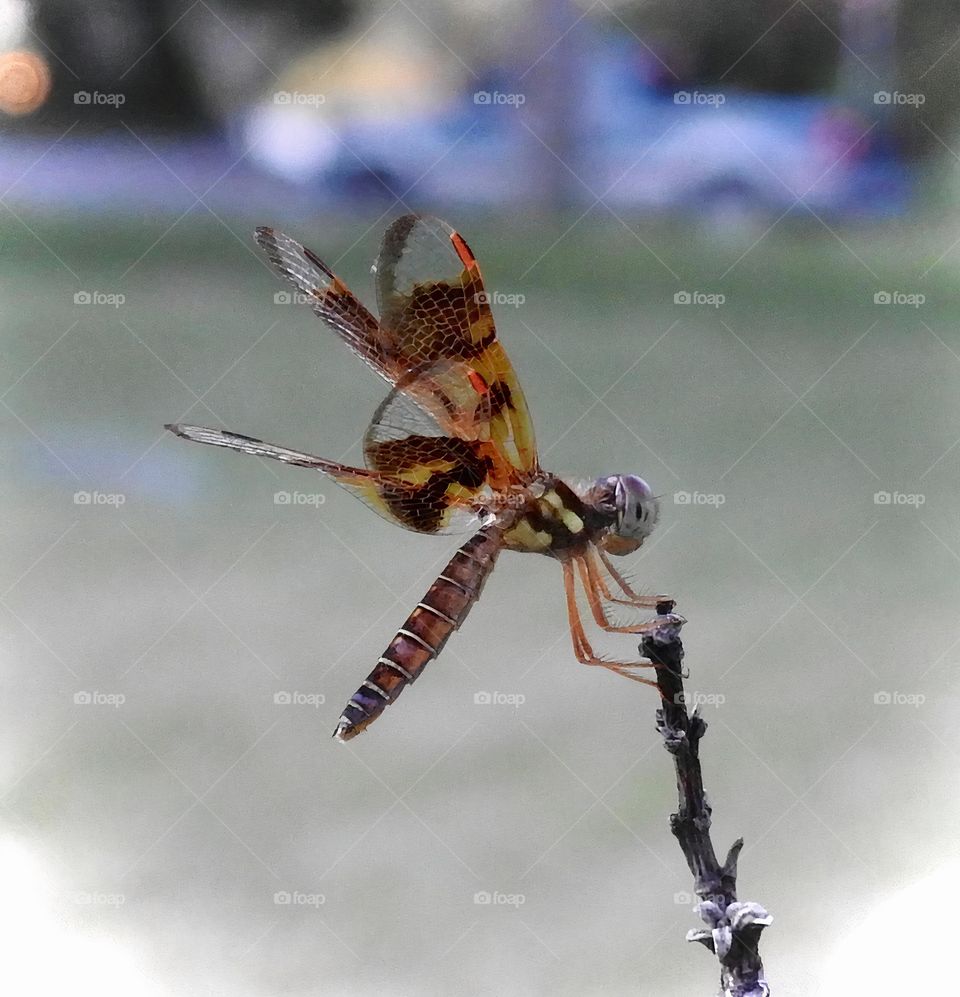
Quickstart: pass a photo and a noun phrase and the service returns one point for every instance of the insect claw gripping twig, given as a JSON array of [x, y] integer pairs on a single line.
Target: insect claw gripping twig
[[733, 927]]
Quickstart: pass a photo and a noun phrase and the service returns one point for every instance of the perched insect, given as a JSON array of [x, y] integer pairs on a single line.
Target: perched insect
[[451, 449]]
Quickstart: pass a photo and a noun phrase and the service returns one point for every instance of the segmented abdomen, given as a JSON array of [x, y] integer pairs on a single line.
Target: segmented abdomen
[[443, 608]]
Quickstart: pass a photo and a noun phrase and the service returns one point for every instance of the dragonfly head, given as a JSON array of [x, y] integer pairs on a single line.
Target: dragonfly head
[[632, 508]]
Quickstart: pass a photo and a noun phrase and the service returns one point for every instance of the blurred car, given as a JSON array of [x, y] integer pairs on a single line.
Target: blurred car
[[671, 147], [635, 140]]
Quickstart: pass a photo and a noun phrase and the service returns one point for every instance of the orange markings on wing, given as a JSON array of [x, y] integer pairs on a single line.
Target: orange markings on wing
[[478, 382], [463, 250]]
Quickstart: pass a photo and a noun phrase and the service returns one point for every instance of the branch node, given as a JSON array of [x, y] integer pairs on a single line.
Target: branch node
[[729, 869], [698, 726]]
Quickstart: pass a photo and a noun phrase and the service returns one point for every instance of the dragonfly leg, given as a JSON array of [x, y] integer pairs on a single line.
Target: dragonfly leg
[[633, 599], [581, 646], [595, 589]]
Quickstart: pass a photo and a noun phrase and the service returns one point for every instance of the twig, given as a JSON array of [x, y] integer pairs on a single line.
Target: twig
[[733, 927]]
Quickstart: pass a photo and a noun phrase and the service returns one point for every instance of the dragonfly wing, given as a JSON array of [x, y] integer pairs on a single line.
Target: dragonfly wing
[[416, 505]]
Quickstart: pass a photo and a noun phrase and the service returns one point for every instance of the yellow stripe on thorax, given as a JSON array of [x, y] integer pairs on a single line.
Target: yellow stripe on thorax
[[567, 516], [523, 535]]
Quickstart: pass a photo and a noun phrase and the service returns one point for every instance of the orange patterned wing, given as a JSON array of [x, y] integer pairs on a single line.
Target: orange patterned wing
[[405, 443], [435, 314], [421, 505], [455, 431]]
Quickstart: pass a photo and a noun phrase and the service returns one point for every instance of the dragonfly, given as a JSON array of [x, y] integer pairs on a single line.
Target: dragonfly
[[451, 449]]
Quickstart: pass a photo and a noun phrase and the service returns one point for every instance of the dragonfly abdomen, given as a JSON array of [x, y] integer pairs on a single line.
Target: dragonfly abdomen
[[425, 631]]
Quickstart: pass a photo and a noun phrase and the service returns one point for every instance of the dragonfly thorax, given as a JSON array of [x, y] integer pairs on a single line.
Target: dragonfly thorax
[[552, 519], [618, 512]]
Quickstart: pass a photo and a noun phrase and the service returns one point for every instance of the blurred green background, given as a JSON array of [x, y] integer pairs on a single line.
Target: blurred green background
[[159, 802], [563, 799]]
